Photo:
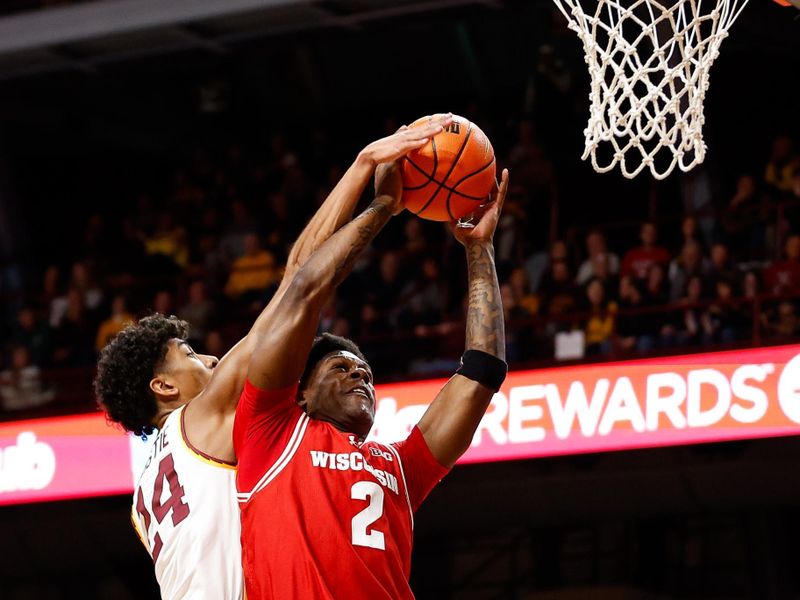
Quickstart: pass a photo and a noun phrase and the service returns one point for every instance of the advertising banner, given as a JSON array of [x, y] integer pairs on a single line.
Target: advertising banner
[[63, 457], [615, 406], [666, 401]]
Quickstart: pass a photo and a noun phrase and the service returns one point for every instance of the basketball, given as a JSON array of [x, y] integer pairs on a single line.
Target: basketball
[[451, 175]]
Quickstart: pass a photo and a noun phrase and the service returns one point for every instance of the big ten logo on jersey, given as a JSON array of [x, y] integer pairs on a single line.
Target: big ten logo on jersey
[[165, 500], [381, 453]]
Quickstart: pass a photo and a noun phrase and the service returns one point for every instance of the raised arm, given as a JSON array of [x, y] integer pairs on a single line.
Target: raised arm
[[451, 420], [283, 348], [223, 390], [338, 206]]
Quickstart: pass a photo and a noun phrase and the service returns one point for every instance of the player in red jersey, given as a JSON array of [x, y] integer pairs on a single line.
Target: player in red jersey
[[324, 513], [149, 378]]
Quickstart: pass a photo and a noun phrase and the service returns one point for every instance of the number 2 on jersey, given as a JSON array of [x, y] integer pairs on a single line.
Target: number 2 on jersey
[[362, 490], [174, 503]]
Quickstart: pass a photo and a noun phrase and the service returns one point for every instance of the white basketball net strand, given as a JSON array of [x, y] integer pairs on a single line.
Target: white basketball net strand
[[649, 67]]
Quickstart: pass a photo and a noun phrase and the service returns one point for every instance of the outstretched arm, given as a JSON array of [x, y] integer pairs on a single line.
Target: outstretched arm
[[223, 390], [451, 420], [283, 348], [338, 206]]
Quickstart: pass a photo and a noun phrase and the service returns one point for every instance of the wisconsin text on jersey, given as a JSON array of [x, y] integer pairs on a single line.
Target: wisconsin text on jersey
[[354, 461]]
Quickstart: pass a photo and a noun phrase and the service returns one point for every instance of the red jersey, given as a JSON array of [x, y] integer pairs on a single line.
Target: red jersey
[[637, 261], [783, 277], [323, 515]]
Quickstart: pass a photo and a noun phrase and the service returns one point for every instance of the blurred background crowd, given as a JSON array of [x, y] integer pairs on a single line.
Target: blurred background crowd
[[163, 156], [208, 243], [179, 186]]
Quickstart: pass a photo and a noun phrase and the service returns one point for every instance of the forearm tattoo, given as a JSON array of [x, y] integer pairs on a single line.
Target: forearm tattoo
[[485, 325], [367, 225]]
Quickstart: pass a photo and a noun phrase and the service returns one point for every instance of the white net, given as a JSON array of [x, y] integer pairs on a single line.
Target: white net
[[649, 67]]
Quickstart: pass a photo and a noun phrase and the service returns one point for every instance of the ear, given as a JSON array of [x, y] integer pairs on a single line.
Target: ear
[[301, 399], [161, 387]]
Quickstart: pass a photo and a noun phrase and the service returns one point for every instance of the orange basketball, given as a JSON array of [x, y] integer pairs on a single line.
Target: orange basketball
[[451, 175]]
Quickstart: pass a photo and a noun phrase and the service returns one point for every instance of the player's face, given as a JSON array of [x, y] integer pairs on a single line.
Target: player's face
[[188, 370], [340, 391]]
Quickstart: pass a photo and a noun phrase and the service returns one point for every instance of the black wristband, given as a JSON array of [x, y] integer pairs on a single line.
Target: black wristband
[[484, 368]]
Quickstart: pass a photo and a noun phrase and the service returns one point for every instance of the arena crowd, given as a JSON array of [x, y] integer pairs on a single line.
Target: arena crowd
[[208, 244]]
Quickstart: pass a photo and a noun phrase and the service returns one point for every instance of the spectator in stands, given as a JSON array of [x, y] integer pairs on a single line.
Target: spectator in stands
[[727, 317], [164, 302], [540, 263], [116, 322], [83, 280], [782, 322], [198, 311], [51, 286], [21, 384], [696, 190], [655, 291], [11, 284], [743, 224], [372, 323], [691, 233], [389, 285], [83, 283], [415, 249], [721, 266], [166, 247], [511, 237], [214, 343], [521, 290], [751, 285], [595, 248], [783, 162], [599, 328], [424, 299], [279, 225], [280, 160], [340, 327], [634, 329], [207, 256], [796, 185], [637, 261], [558, 291], [601, 271], [690, 263], [252, 272], [34, 334], [373, 331], [127, 257], [74, 336], [783, 277], [690, 325], [240, 225], [517, 329]]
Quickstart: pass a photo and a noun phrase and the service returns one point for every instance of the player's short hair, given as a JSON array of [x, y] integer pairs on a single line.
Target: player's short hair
[[324, 345], [127, 365]]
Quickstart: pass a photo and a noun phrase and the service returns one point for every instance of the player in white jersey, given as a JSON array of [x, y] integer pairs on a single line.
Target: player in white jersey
[[148, 372], [178, 482]]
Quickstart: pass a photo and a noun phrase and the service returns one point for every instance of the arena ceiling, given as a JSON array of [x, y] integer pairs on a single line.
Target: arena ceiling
[[86, 35]]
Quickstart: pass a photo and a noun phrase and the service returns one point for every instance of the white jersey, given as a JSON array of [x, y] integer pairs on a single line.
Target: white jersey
[[185, 511]]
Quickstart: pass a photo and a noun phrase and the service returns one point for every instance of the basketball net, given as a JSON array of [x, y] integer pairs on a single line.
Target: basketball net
[[649, 67]]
